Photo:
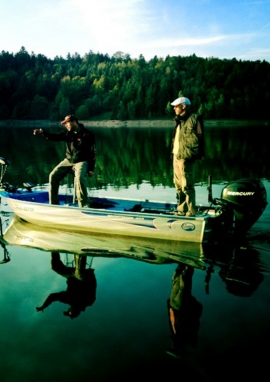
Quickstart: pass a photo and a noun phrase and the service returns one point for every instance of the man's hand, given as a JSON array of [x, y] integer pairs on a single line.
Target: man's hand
[[37, 131]]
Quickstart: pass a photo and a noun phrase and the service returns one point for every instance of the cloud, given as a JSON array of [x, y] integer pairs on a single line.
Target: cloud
[[255, 54], [101, 16], [107, 26], [196, 41], [265, 26]]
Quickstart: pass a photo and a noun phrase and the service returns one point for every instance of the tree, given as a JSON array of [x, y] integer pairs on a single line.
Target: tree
[[131, 88], [82, 112], [131, 110], [93, 106], [39, 108], [64, 108]]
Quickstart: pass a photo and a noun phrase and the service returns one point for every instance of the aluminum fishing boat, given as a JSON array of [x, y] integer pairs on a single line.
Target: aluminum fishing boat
[[241, 204]]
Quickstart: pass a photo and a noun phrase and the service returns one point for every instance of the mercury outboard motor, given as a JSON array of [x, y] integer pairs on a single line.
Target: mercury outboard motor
[[248, 199]]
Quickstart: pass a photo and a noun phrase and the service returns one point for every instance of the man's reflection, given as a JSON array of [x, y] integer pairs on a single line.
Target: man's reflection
[[184, 311], [6, 257], [81, 285]]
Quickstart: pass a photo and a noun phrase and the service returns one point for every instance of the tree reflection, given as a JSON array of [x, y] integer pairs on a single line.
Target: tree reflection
[[128, 156]]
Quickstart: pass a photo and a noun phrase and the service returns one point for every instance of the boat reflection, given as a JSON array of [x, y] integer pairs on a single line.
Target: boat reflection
[[20, 233], [238, 266], [241, 274]]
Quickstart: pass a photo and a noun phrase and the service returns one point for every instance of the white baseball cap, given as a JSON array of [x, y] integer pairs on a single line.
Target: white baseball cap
[[181, 100]]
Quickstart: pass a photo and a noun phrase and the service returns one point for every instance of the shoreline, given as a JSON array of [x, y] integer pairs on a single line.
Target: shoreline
[[129, 123]]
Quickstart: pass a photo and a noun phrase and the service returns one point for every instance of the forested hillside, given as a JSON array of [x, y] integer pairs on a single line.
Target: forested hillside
[[118, 87]]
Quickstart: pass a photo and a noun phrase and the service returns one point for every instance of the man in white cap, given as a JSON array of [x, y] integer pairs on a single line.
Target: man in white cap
[[187, 146], [80, 158]]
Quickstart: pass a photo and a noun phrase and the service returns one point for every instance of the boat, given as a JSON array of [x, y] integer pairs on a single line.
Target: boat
[[241, 204]]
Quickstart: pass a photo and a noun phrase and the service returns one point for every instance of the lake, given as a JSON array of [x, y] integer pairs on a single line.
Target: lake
[[124, 331]]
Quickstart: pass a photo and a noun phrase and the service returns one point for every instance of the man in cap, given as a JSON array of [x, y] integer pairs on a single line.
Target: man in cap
[[80, 158], [187, 146]]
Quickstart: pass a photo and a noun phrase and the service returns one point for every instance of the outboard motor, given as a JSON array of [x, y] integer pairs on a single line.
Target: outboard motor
[[248, 199]]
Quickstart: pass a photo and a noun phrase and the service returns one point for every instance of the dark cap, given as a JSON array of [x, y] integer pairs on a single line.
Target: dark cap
[[69, 118]]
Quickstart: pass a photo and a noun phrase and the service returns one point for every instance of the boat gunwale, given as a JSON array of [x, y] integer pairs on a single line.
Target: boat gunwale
[[109, 211]]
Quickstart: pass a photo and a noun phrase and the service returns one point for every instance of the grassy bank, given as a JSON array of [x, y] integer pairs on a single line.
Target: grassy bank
[[133, 123]]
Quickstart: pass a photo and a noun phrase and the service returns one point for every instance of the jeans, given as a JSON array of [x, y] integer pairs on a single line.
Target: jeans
[[184, 184], [63, 169]]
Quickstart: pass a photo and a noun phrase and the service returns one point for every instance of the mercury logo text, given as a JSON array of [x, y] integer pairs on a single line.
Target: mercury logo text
[[242, 193]]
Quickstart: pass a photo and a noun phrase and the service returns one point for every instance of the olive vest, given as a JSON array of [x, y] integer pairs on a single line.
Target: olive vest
[[187, 144]]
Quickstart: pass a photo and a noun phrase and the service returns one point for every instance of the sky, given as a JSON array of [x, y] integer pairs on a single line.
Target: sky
[[222, 29]]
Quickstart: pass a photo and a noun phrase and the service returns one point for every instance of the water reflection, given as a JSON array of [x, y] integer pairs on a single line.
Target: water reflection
[[141, 154], [238, 270], [21, 233], [206, 289], [6, 257], [184, 311], [239, 267], [135, 278], [241, 274], [81, 285]]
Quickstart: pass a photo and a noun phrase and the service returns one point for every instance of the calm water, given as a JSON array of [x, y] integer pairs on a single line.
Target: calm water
[[125, 329]]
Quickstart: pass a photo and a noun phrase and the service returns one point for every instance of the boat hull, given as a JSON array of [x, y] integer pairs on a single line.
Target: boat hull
[[47, 239], [113, 221]]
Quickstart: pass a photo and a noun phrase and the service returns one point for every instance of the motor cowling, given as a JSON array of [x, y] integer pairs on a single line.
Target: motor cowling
[[248, 199]]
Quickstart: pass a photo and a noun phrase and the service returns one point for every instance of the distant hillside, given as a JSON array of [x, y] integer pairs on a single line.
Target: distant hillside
[[33, 87]]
